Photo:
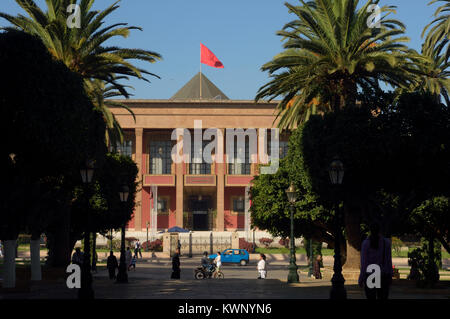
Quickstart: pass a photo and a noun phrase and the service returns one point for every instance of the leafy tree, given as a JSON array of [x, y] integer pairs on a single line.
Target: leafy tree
[[104, 206], [270, 209], [330, 53], [432, 219], [50, 129], [84, 49], [395, 154], [116, 171], [394, 159], [425, 263]]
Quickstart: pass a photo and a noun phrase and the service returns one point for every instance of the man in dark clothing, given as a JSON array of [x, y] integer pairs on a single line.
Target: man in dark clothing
[[137, 249], [77, 257], [317, 261], [112, 265], [176, 265]]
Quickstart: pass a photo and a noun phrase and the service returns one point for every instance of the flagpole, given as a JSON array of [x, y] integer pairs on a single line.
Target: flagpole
[[200, 71]]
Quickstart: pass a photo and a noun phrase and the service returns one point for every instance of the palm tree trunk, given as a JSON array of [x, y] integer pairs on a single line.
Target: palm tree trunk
[[349, 91]]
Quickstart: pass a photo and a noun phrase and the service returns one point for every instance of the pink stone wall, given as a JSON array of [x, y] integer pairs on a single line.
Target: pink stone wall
[[233, 222], [168, 221]]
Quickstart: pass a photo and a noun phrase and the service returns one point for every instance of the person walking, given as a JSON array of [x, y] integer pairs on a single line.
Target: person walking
[[112, 265], [128, 256], [218, 262], [316, 272], [132, 263], [137, 249], [77, 257], [376, 250], [176, 271], [262, 271]]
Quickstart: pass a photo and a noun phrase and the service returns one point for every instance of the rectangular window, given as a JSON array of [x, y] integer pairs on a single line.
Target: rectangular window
[[125, 148], [283, 147], [199, 168], [162, 205], [238, 205], [160, 157], [240, 168]]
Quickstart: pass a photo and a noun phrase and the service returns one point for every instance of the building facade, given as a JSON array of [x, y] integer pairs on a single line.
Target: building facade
[[194, 194]]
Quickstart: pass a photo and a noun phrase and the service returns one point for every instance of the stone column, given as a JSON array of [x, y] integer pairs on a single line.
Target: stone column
[[247, 220], [166, 243], [235, 240], [220, 224], [138, 210], [179, 187], [9, 264], [35, 254]]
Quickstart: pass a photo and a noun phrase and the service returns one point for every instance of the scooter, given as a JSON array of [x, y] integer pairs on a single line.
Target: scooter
[[202, 273]]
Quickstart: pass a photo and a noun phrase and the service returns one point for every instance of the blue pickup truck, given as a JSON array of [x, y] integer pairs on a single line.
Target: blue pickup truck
[[233, 256]]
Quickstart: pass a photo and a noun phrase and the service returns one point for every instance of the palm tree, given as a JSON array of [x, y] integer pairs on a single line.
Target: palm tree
[[84, 50], [434, 73], [331, 51], [438, 29], [436, 49]]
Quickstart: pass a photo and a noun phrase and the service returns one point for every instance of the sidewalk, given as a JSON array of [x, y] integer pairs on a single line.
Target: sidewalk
[[273, 259]]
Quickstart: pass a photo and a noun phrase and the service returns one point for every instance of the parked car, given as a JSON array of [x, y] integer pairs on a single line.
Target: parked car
[[235, 256]]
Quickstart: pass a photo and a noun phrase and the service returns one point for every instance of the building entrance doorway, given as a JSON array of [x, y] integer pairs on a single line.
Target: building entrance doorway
[[200, 220], [200, 213]]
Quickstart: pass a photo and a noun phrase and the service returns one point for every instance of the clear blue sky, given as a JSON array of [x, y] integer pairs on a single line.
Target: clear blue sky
[[240, 32]]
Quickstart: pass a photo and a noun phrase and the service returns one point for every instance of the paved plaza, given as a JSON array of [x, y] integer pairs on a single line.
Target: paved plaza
[[151, 281]]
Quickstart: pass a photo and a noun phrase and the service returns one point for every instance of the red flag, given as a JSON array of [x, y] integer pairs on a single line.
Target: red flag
[[208, 58]]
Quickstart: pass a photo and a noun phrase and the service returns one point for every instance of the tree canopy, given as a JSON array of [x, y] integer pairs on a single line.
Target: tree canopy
[[84, 49], [330, 53], [49, 124], [395, 154]]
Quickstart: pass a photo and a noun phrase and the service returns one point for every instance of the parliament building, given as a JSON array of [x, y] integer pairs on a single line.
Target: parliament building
[[194, 195]]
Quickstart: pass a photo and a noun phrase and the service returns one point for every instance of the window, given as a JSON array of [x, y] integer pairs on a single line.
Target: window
[[283, 147], [163, 205], [238, 205], [199, 168], [240, 168], [125, 148], [160, 157]]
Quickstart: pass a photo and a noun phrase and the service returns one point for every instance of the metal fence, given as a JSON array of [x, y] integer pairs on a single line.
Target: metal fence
[[199, 243]]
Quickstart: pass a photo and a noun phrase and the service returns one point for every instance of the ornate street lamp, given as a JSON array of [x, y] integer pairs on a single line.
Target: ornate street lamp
[[87, 172], [148, 225], [311, 256], [292, 197], [336, 172], [122, 276], [86, 291]]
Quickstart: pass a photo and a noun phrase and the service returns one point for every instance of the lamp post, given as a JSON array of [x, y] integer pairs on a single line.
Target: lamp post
[[310, 271], [336, 172], [122, 276], [111, 241], [293, 275], [146, 247], [86, 291]]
